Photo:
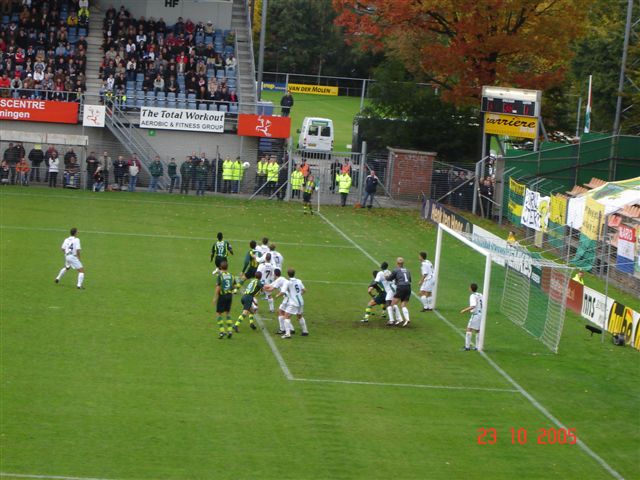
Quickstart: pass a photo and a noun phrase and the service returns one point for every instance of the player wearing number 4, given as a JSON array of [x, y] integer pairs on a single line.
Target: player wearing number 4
[[426, 283], [475, 307], [71, 249]]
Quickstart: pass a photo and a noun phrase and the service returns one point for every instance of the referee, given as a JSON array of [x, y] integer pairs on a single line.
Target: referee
[[402, 277]]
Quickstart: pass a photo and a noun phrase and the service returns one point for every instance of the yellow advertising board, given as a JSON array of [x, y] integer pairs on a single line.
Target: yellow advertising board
[[511, 125], [517, 188], [593, 219], [313, 89]]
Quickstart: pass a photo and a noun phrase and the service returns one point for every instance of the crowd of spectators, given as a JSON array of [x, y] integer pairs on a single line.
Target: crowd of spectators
[[148, 59], [43, 49]]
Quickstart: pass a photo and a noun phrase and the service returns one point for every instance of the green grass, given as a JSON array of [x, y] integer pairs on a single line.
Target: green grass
[[127, 380], [340, 109]]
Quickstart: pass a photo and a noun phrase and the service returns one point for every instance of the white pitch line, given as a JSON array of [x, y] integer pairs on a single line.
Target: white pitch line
[[274, 349], [171, 237], [410, 385], [53, 477], [536, 404]]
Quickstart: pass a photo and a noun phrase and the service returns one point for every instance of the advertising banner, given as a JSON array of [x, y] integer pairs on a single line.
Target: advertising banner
[[593, 219], [182, 119], [511, 125], [38, 110], [516, 198], [93, 115], [436, 213], [626, 249], [637, 267], [623, 319], [575, 291], [279, 87], [595, 306], [266, 126], [535, 211], [313, 89]]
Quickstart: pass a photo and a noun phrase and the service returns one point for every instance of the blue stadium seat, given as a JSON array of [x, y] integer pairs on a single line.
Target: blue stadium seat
[[233, 108], [182, 96], [223, 107], [73, 31], [160, 95], [171, 96], [131, 85], [82, 32], [202, 106], [182, 104], [161, 103], [150, 102], [139, 102], [213, 106], [139, 94], [130, 102], [231, 83], [192, 106], [140, 77], [220, 74], [191, 97], [228, 49], [208, 40], [6, 19]]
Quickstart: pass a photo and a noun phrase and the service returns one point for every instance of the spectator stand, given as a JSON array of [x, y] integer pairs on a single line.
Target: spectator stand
[[43, 54]]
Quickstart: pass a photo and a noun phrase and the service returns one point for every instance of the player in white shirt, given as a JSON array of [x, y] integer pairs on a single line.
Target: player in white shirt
[[426, 283], [266, 269], [280, 283], [71, 249], [390, 290], [263, 248], [295, 304], [276, 257], [476, 301]]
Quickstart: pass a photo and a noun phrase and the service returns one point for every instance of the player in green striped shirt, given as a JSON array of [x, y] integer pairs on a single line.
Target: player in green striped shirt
[[377, 293], [225, 284], [250, 262], [220, 251], [254, 287]]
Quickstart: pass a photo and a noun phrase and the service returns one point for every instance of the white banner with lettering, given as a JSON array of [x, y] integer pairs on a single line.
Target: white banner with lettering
[[535, 211], [595, 306], [181, 119], [93, 115]]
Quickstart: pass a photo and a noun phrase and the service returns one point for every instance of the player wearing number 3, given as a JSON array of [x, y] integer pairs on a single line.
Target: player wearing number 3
[[475, 307], [71, 249]]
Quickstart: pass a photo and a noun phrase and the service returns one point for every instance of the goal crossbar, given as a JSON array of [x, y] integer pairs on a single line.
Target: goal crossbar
[[486, 284]]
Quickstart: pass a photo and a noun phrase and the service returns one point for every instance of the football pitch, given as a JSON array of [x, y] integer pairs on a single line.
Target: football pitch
[[128, 380], [341, 110]]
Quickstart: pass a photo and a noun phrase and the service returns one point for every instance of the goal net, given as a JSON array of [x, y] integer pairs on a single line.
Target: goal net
[[533, 289]]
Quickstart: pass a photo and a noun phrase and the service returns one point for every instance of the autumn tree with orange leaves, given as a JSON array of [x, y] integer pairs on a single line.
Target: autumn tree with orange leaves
[[462, 45]]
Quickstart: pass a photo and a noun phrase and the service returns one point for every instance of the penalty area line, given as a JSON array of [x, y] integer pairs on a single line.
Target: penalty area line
[[52, 477], [408, 385], [535, 403]]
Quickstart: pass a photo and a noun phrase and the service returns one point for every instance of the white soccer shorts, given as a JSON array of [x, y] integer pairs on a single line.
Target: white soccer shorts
[[389, 296], [427, 285], [474, 322], [294, 309], [71, 261]]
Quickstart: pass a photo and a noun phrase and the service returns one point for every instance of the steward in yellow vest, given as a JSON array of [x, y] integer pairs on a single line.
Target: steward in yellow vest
[[297, 178], [261, 172], [272, 175], [227, 175], [343, 181]]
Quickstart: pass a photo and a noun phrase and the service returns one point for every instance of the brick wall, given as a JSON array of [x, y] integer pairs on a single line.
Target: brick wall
[[410, 173]]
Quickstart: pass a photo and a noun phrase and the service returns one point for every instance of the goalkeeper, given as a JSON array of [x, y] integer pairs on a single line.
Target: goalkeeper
[[378, 297]]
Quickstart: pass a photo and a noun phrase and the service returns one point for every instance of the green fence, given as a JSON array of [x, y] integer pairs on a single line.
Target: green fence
[[605, 157]]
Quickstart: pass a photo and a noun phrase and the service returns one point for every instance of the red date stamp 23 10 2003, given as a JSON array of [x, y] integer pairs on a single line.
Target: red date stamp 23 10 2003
[[520, 436]]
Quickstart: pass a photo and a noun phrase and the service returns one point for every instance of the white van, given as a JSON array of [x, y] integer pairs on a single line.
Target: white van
[[316, 135]]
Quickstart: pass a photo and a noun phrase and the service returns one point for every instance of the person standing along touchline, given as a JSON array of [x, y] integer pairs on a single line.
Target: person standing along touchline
[[71, 249]]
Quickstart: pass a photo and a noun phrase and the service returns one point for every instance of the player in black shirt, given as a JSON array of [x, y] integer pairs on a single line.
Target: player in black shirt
[[402, 277]]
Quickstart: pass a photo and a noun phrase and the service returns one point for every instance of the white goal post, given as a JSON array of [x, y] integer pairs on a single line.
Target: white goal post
[[486, 284]]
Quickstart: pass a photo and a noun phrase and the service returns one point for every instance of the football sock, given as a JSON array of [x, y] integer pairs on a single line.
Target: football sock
[[80, 279], [367, 312], [425, 301], [229, 324], [270, 301], [397, 313], [220, 324], [477, 338], [390, 312], [405, 313], [241, 317], [467, 340], [250, 318], [281, 322], [303, 325], [287, 326], [430, 302], [61, 273]]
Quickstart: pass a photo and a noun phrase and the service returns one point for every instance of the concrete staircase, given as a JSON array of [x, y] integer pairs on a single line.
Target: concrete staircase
[[244, 55], [94, 54]]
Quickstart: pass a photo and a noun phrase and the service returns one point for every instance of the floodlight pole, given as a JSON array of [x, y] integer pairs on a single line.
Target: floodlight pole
[[625, 50]]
